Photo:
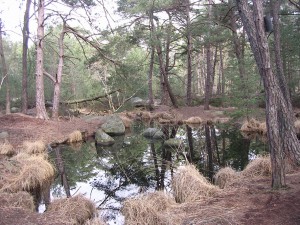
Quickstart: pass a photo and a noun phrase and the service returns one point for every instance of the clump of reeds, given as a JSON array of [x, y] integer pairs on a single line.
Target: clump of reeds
[[260, 166], [146, 115], [150, 208], [20, 199], [251, 126], [190, 185], [34, 172], [7, 149], [193, 120], [94, 221], [75, 136], [75, 210], [35, 147], [224, 176]]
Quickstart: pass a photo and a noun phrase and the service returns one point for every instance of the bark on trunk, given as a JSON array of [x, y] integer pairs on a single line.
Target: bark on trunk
[[40, 98], [58, 77], [189, 55], [24, 58], [4, 71], [283, 141], [209, 152]]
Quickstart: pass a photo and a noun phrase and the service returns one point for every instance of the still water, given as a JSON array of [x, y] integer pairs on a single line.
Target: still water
[[135, 164]]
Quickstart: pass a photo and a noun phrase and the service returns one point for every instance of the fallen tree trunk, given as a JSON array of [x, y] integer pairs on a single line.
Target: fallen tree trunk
[[88, 99]]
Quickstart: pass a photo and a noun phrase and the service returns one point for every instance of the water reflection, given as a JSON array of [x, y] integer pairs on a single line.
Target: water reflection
[[135, 164]]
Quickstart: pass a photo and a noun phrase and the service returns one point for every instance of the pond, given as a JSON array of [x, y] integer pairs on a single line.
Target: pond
[[135, 164]]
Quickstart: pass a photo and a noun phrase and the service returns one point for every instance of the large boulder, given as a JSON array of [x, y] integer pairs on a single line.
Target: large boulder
[[113, 125], [153, 133], [103, 138]]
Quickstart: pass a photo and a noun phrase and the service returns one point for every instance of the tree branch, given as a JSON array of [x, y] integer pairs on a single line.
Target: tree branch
[[89, 99]]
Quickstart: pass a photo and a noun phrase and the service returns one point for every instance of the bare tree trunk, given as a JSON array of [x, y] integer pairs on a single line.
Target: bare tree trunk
[[189, 55], [208, 77], [278, 59], [163, 67], [150, 79], [58, 77], [4, 71], [222, 73], [24, 58], [282, 137], [40, 98]]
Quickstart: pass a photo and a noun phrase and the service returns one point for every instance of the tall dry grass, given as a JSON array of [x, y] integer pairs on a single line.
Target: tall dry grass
[[20, 199], [150, 208], [193, 120], [75, 136], [7, 149], [225, 176], [189, 185], [260, 166], [33, 172], [35, 147], [75, 210]]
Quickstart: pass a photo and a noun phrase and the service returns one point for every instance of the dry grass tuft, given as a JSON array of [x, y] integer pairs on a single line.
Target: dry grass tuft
[[36, 147], [189, 185], [7, 149], [94, 221], [251, 126], [77, 209], [261, 166], [75, 136], [224, 176], [148, 209], [34, 172], [193, 120], [20, 199]]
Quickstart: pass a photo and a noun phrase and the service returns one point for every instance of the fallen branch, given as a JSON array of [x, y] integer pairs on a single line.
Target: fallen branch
[[89, 99]]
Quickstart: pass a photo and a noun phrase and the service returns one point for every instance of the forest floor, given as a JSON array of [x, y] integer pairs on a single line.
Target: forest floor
[[252, 202]]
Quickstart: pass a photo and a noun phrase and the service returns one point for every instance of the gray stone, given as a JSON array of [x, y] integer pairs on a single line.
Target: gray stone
[[138, 102], [153, 133], [3, 135], [103, 138], [113, 125], [14, 110]]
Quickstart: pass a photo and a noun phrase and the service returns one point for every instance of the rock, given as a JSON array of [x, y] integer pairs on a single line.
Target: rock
[[138, 102], [173, 143], [3, 135], [153, 133], [14, 110], [113, 125], [103, 138]]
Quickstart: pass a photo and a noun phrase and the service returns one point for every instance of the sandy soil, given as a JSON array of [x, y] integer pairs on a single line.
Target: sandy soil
[[251, 203]]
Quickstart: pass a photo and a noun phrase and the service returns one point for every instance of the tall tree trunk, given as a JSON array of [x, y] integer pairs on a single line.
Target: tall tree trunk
[[24, 58], [208, 78], [281, 131], [189, 54], [222, 73], [150, 79], [4, 71], [163, 67], [58, 77], [40, 98], [275, 4]]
